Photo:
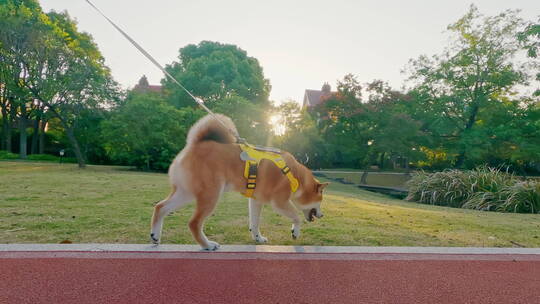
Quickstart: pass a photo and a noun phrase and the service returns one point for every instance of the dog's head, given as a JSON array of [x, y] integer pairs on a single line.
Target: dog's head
[[309, 198]]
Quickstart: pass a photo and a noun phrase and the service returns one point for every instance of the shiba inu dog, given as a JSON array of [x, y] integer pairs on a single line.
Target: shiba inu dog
[[210, 165]]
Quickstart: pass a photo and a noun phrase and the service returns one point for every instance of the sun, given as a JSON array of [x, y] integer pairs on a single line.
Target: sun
[[277, 122]]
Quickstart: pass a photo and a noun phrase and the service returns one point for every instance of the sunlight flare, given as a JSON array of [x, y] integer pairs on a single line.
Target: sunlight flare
[[277, 122]]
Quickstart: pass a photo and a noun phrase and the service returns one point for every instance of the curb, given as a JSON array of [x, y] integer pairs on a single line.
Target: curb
[[266, 249]]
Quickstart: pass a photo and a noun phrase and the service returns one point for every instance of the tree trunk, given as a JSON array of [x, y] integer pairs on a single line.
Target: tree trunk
[[22, 133], [12, 114], [42, 137], [381, 164], [460, 160], [6, 131], [35, 136], [76, 148]]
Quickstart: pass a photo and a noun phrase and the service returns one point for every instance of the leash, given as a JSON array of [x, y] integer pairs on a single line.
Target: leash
[[159, 66], [258, 153]]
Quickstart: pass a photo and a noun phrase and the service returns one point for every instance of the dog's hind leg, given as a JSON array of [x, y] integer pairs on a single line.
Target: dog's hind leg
[[176, 199], [255, 209], [287, 209], [206, 203]]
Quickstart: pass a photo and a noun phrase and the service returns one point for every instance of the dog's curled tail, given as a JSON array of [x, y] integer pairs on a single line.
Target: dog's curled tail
[[209, 128]]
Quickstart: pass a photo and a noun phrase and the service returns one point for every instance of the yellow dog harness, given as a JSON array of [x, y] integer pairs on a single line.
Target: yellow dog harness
[[253, 155]]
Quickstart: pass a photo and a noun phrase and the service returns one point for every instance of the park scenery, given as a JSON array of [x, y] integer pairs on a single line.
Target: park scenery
[[449, 157]]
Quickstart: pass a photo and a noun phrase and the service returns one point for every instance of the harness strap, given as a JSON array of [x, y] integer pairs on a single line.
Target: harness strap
[[251, 174]]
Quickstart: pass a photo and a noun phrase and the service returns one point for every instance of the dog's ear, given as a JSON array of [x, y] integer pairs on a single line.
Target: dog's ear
[[320, 187]]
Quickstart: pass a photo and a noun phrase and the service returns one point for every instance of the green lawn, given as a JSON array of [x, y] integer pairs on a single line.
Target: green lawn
[[50, 203]]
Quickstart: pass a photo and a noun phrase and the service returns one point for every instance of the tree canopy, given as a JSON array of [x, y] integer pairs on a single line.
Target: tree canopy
[[52, 65], [475, 103], [475, 74], [214, 71]]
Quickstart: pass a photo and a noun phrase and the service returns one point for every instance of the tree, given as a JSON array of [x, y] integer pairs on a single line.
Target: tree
[[146, 131], [88, 132], [457, 87], [6, 108], [530, 40], [342, 123], [251, 119], [214, 71], [393, 133], [19, 28], [301, 137], [54, 66]]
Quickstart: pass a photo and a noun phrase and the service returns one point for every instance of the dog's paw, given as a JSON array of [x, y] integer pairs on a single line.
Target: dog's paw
[[212, 246], [295, 232], [260, 239], [154, 238]]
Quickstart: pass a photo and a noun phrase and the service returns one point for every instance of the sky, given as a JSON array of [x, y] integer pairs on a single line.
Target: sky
[[300, 44]]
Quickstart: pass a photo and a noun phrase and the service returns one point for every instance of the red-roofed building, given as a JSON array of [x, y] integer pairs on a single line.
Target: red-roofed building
[[144, 86], [313, 98]]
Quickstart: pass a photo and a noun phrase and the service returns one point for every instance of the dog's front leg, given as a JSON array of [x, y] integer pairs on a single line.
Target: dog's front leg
[[287, 209], [255, 209]]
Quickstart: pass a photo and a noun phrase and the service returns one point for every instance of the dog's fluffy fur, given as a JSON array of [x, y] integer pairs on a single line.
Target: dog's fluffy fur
[[210, 164]]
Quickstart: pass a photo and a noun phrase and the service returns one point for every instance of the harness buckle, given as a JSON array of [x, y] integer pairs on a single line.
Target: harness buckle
[[285, 170], [252, 171], [252, 176]]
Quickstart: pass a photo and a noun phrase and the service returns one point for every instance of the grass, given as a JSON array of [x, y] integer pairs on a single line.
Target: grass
[[50, 203]]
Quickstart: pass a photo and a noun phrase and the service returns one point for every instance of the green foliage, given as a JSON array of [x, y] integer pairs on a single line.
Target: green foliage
[[341, 119], [89, 135], [45, 59], [530, 39], [8, 155], [301, 137], [44, 157], [51, 158], [146, 131], [458, 89], [216, 71], [37, 157], [374, 130], [483, 188], [463, 110], [250, 119]]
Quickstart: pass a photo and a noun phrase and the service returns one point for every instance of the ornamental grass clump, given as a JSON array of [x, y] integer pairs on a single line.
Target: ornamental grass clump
[[447, 188], [523, 197], [483, 188]]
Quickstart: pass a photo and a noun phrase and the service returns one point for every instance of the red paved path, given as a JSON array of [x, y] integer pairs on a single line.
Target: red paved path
[[267, 278]]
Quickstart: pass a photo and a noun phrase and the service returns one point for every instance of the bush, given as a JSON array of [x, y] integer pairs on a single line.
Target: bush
[[8, 155], [483, 188], [51, 158], [45, 157], [522, 197]]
